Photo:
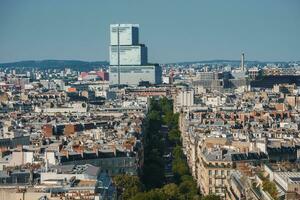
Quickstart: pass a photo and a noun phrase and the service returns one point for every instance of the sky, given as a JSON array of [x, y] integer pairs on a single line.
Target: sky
[[173, 30]]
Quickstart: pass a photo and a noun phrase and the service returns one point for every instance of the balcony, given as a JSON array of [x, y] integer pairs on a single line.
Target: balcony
[[210, 165]]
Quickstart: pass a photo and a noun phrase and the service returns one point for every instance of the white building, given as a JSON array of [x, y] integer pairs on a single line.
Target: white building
[[67, 172], [166, 80], [70, 108], [214, 100], [288, 181], [184, 98], [132, 75]]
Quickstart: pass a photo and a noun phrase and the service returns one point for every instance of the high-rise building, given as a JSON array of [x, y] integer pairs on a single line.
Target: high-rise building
[[129, 59], [124, 34]]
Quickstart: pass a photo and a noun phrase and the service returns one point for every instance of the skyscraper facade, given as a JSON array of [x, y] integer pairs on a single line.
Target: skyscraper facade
[[128, 58]]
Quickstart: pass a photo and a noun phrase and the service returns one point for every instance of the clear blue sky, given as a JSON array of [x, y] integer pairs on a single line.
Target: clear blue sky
[[173, 30]]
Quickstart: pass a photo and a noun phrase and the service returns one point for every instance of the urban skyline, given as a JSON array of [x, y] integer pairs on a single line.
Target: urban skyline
[[194, 31], [150, 119]]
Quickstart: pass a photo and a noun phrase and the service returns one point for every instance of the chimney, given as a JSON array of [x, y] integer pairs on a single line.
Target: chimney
[[31, 177], [81, 152], [97, 152], [114, 149]]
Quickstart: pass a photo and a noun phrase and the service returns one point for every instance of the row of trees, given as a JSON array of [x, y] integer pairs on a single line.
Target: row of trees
[[152, 181], [170, 192], [131, 188], [154, 147]]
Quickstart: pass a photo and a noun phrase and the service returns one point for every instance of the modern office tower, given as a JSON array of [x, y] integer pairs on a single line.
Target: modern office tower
[[128, 55], [124, 34], [129, 59]]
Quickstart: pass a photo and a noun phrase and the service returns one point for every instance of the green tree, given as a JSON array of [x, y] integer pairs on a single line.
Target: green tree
[[211, 197], [155, 194], [171, 120], [180, 167], [186, 178], [168, 118], [188, 188], [270, 187], [171, 191], [154, 120], [175, 121], [177, 152], [174, 136], [127, 185], [166, 105], [154, 104], [153, 175]]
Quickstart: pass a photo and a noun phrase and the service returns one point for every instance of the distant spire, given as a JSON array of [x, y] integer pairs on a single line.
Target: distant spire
[[242, 61]]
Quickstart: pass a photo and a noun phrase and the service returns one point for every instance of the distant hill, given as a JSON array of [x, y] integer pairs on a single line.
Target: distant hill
[[84, 65], [48, 64], [229, 62]]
